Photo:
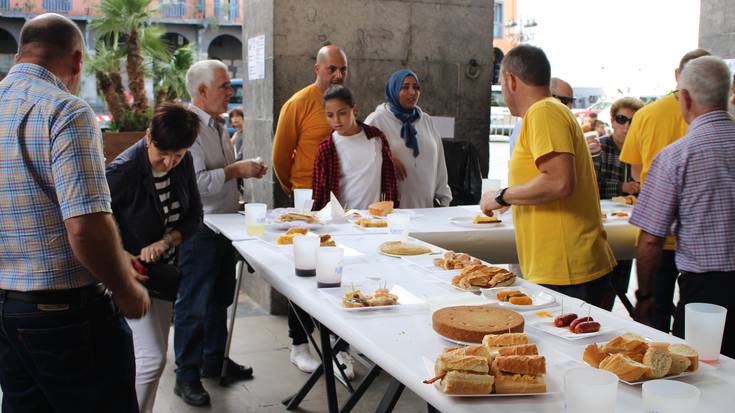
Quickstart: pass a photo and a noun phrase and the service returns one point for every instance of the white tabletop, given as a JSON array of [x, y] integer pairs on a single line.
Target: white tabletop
[[401, 339], [494, 243]]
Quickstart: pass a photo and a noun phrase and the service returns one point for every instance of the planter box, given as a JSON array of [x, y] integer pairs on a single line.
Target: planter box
[[114, 143]]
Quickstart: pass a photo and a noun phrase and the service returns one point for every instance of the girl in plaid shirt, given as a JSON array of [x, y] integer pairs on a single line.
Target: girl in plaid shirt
[[354, 161]]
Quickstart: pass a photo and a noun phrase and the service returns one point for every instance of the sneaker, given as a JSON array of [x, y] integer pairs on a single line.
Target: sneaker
[[303, 359], [347, 362]]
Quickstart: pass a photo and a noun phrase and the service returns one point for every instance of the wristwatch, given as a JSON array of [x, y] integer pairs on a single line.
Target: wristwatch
[[642, 297], [499, 197]]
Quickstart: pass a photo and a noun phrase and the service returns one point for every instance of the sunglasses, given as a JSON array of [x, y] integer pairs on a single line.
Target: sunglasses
[[564, 99], [622, 119]]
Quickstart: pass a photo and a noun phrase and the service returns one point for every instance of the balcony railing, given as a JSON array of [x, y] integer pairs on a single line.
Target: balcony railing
[[173, 9], [57, 6], [4, 4]]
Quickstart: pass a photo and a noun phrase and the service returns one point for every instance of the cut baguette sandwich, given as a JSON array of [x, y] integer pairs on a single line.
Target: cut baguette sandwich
[[624, 367], [504, 340], [460, 374], [470, 364], [476, 350], [519, 350], [519, 374]]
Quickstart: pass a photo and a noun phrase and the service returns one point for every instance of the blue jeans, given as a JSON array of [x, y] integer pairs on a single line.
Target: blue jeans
[[207, 263], [78, 359]]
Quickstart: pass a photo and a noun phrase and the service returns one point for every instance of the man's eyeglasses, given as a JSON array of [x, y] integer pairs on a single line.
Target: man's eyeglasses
[[622, 119], [564, 99]]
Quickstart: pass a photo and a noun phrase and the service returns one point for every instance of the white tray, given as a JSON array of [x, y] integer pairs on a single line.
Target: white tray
[[467, 223], [547, 325], [405, 298], [540, 298]]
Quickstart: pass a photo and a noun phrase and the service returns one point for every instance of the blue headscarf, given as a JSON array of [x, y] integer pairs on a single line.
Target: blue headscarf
[[392, 91]]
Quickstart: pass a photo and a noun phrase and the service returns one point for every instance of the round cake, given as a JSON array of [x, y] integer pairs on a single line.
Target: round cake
[[471, 323]]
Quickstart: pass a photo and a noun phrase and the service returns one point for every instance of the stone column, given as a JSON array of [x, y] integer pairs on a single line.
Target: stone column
[[448, 43], [717, 27]]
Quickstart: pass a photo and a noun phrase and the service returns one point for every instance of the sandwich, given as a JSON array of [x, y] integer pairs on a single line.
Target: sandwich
[[287, 239], [371, 223], [482, 219], [462, 374], [494, 342], [519, 374], [477, 350], [624, 367], [519, 350], [381, 209]]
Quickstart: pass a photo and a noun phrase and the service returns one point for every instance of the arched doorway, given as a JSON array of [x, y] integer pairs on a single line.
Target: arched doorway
[[228, 49], [8, 49]]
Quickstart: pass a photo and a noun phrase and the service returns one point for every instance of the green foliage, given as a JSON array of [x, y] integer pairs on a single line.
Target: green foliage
[[131, 121]]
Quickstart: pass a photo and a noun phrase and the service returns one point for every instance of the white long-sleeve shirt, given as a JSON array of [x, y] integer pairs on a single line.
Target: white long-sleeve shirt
[[426, 174]]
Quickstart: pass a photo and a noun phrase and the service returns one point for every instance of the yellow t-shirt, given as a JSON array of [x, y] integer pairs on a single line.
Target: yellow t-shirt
[[560, 242], [302, 125], [654, 127]]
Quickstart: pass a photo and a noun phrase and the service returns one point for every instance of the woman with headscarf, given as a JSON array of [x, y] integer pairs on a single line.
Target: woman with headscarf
[[418, 154]]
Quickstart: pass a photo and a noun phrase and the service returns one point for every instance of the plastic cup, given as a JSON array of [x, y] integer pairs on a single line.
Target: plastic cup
[[399, 224], [329, 267], [304, 252], [255, 219], [704, 325], [669, 396], [300, 197], [590, 390]]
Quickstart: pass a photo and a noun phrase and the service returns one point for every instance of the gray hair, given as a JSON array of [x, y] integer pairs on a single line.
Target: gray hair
[[202, 73], [707, 79]]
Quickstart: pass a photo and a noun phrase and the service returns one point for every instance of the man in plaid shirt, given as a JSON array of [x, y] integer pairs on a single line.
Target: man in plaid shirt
[[64, 346], [691, 187]]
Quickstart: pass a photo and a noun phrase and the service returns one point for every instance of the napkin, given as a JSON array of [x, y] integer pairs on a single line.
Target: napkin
[[333, 211]]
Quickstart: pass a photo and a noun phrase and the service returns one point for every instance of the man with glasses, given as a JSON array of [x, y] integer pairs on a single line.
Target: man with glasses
[[562, 91], [207, 260], [653, 128]]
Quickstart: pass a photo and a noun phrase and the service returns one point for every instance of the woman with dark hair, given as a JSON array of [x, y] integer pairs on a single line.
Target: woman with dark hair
[[237, 120], [156, 204], [416, 145]]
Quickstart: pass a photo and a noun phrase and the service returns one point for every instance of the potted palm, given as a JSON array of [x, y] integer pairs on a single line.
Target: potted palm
[[125, 38]]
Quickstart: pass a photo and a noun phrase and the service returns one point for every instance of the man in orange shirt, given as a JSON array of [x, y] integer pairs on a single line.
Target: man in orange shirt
[[302, 123]]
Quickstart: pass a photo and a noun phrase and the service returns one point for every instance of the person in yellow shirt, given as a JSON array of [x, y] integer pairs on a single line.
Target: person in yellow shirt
[[652, 129], [302, 123], [559, 236]]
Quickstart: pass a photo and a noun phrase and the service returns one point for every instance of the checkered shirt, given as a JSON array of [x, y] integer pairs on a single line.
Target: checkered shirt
[[51, 169], [326, 172], [610, 171], [691, 184]]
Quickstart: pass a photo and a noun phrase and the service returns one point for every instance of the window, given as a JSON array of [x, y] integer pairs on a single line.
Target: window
[[234, 9], [57, 6], [498, 20], [173, 8], [218, 8]]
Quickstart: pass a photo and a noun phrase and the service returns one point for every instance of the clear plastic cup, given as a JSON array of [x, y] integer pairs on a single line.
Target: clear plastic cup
[[304, 252], [590, 390], [399, 225], [329, 267], [255, 218], [300, 197], [669, 396], [704, 325]]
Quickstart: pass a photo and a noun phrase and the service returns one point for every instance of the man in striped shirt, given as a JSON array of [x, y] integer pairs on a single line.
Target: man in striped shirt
[[691, 187], [64, 347]]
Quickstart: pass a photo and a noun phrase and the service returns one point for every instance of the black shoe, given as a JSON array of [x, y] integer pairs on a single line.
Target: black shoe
[[235, 372], [192, 393]]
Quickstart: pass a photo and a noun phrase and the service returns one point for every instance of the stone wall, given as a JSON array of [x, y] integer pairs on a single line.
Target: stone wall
[[717, 27]]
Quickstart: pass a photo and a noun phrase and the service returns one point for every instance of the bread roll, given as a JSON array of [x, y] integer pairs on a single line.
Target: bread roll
[[624, 367], [688, 352], [593, 355], [679, 364], [658, 361], [456, 382], [620, 344]]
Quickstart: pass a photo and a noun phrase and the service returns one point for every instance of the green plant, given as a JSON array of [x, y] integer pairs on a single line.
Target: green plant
[[170, 75]]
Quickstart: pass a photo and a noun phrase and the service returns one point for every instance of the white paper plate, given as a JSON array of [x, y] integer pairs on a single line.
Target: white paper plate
[[552, 386], [467, 223], [405, 298], [548, 326], [540, 298], [703, 367], [451, 340]]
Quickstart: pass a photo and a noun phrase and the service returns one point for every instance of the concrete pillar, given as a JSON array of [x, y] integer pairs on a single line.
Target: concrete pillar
[[717, 27], [448, 43]]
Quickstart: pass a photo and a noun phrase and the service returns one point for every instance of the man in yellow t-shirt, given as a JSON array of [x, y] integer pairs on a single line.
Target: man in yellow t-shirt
[[653, 128], [556, 210], [302, 123]]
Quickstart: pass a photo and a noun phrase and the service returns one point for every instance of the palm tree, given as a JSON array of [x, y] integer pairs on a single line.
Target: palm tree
[[170, 75], [105, 65], [126, 20]]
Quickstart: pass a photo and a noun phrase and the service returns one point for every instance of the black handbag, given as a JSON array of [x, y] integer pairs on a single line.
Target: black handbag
[[163, 281]]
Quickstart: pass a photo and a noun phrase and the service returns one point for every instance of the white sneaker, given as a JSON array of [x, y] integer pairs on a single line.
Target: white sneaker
[[303, 359], [347, 361]]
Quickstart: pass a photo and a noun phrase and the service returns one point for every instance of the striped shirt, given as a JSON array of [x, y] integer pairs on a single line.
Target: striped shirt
[[611, 173], [691, 185], [51, 169], [170, 207]]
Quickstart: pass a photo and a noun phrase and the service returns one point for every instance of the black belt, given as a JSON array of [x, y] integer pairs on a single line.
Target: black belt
[[74, 296]]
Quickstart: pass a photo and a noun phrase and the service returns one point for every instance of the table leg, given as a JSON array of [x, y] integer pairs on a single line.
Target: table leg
[[431, 409], [328, 370], [239, 270], [292, 402], [391, 396], [361, 389]]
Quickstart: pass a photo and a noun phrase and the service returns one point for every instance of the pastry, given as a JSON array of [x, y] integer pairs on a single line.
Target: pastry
[[479, 275], [403, 248], [287, 239], [371, 223], [325, 240], [455, 261], [381, 209], [472, 323], [297, 230], [483, 219], [296, 216]]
